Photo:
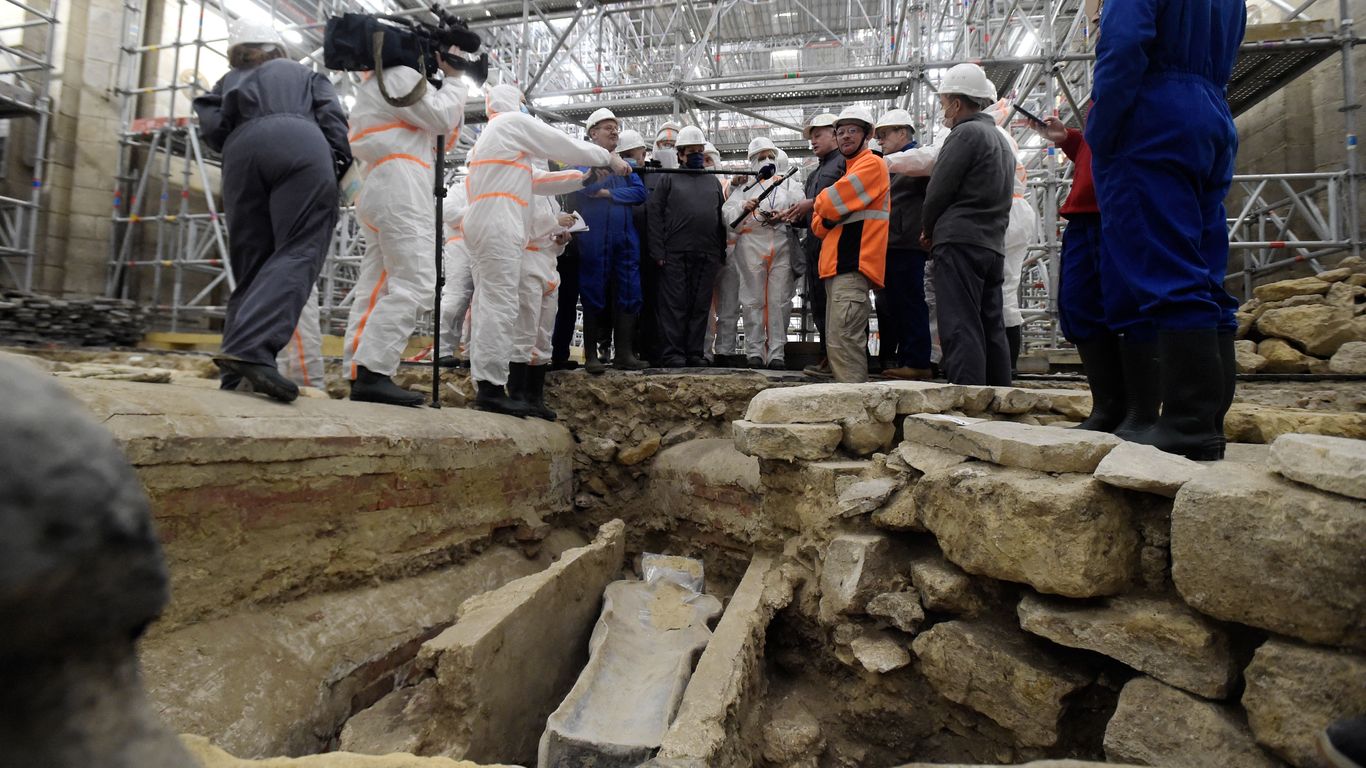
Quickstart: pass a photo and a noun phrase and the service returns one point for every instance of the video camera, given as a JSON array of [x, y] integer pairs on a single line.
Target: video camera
[[362, 42]]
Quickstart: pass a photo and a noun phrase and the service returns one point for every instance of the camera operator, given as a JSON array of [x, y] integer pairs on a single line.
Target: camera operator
[[282, 133], [397, 274]]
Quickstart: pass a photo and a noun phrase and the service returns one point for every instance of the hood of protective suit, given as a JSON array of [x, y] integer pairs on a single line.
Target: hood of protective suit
[[502, 98], [784, 163], [1000, 112]]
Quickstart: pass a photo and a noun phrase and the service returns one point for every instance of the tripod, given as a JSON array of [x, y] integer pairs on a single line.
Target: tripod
[[439, 192]]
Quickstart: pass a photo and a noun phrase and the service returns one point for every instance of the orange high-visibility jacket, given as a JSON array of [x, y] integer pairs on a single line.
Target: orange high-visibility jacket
[[860, 205]]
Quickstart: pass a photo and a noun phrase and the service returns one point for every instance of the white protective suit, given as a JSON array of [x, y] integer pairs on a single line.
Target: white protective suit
[[763, 262], [459, 288], [1023, 229], [501, 184], [301, 360], [397, 274], [539, 289]]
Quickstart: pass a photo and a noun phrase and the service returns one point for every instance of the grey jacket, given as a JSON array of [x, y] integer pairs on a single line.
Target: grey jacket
[[968, 199], [684, 215]]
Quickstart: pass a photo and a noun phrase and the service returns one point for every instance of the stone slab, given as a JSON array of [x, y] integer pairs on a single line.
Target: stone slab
[[944, 586], [710, 483], [1156, 724], [209, 756], [1294, 691], [1073, 403], [1138, 467], [1046, 449], [924, 458], [941, 431], [1250, 547], [822, 404], [1160, 636], [880, 652], [787, 442], [1333, 464], [866, 496], [924, 396], [856, 568]]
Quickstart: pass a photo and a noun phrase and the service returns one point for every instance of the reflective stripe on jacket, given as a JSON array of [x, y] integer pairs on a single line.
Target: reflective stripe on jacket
[[858, 206]]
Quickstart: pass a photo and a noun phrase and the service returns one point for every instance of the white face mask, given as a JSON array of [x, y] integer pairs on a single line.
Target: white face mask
[[758, 165], [666, 157]]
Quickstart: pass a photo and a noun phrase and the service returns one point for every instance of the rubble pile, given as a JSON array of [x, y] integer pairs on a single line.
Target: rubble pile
[[28, 318], [1311, 324]]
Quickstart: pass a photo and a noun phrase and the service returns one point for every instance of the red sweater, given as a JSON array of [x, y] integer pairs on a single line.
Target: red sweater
[[1082, 198]]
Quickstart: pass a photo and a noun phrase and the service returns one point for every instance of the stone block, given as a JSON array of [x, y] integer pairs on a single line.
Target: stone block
[[999, 671], [864, 438], [1250, 547], [857, 567], [880, 652], [1011, 400], [1139, 467], [901, 609], [804, 497], [924, 458], [1073, 403], [1317, 329], [1160, 636], [1156, 724], [899, 513], [1046, 449], [1350, 358], [787, 442], [1248, 423], [941, 431], [866, 496], [516, 651], [711, 484], [1333, 464], [943, 586], [792, 735], [1284, 289], [206, 755], [1247, 358], [1294, 691], [646, 447], [823, 404], [1279, 356], [1069, 535], [924, 396], [1344, 295]]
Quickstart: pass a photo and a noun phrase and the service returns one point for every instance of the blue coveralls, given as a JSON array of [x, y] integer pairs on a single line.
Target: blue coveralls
[[609, 252], [1163, 146]]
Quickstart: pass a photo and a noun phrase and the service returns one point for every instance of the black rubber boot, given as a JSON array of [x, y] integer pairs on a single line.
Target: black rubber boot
[[1229, 359], [591, 361], [1343, 743], [264, 379], [450, 361], [1104, 367], [1142, 389], [517, 381], [371, 387], [535, 393], [493, 398], [626, 359], [1193, 392]]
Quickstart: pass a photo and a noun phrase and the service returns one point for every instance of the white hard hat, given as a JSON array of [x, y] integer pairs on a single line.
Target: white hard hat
[[629, 140], [246, 31], [968, 79], [895, 119], [855, 114], [667, 132], [711, 151], [599, 115], [691, 135], [823, 120], [759, 144]]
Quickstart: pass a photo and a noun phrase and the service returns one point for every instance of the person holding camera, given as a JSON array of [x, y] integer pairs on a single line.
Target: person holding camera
[[397, 273], [282, 133]]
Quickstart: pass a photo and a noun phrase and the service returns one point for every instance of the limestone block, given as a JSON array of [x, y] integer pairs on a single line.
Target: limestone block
[[642, 450], [599, 448], [902, 609], [515, 652], [822, 404], [1293, 691], [1284, 289], [640, 658], [925, 458], [1247, 423], [924, 396], [209, 756], [792, 735], [1334, 275], [1250, 547], [711, 484], [1069, 535], [787, 442], [880, 652], [941, 431], [396, 723], [1333, 464], [1317, 329], [1139, 467], [865, 496], [1245, 323], [1047, 449], [1344, 295], [943, 586], [1350, 358], [999, 671], [1072, 403], [899, 513], [1248, 360], [1156, 724], [1281, 357], [864, 438], [1009, 400], [1160, 636], [856, 568]]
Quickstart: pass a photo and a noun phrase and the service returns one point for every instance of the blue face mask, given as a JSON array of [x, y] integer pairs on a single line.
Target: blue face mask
[[525, 111], [631, 161], [697, 161]]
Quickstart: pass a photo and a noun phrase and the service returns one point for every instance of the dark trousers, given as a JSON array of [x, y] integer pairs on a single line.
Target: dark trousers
[[647, 332], [562, 338], [280, 197], [903, 317], [1093, 299], [815, 287], [685, 288], [967, 290]]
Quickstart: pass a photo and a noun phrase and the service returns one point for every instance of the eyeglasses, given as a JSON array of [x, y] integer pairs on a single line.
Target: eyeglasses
[[848, 130]]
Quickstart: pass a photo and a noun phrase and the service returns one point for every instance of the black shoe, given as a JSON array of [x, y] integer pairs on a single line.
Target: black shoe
[[564, 365], [493, 398], [625, 334], [1104, 367], [698, 362], [517, 381], [1193, 392], [450, 361], [1343, 743], [262, 378], [777, 364], [1142, 389], [534, 394], [754, 362], [591, 361], [371, 387], [229, 381]]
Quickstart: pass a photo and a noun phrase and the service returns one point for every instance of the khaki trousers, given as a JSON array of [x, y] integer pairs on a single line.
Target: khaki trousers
[[846, 326]]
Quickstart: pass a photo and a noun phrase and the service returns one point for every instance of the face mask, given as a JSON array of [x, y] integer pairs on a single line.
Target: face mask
[[697, 161], [525, 111], [631, 161], [758, 166], [666, 157]]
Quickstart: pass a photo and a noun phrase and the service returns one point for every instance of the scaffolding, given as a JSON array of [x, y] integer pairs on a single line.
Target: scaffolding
[[28, 42], [737, 68]]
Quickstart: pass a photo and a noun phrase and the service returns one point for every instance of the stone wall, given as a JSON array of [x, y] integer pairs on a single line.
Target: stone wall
[[1086, 597]]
